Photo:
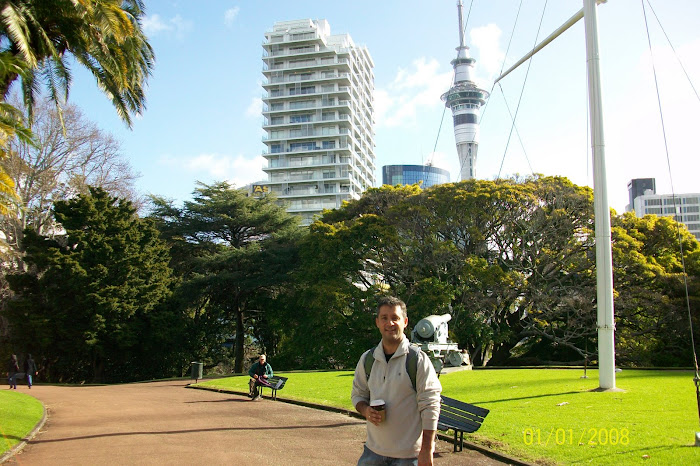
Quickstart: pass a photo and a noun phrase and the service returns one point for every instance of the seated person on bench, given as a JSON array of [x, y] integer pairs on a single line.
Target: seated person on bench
[[259, 373]]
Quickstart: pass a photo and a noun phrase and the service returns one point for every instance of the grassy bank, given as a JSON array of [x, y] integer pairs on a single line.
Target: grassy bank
[[19, 413], [550, 415]]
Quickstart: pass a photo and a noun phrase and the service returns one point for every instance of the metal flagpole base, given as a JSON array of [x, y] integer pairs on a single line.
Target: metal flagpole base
[[697, 439]]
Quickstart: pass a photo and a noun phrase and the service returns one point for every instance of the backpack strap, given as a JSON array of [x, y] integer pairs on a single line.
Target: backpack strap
[[411, 363], [369, 362]]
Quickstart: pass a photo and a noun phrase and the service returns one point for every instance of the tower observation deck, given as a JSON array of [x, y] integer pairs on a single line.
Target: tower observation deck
[[465, 99]]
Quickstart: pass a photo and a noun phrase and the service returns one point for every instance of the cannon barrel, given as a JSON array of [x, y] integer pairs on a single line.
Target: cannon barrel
[[425, 328]]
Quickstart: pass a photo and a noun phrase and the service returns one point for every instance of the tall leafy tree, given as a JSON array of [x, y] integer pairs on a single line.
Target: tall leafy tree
[[233, 252], [488, 252], [63, 161], [650, 303], [92, 291]]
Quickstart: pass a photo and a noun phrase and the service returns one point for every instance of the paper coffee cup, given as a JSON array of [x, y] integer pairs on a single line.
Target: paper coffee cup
[[379, 405]]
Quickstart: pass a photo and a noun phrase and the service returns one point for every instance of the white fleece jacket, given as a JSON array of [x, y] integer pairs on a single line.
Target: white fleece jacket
[[408, 412]]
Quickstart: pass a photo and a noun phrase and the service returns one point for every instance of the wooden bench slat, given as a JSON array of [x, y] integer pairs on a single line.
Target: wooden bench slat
[[461, 417]]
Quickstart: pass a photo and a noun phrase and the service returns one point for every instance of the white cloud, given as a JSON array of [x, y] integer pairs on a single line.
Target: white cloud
[[446, 162], [238, 170], [486, 40], [154, 25], [412, 89], [230, 16], [254, 110]]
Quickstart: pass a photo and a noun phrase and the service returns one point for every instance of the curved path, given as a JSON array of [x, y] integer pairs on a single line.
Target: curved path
[[164, 423]]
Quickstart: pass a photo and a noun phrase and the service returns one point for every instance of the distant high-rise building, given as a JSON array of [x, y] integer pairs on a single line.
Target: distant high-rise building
[[465, 99], [638, 187], [426, 175], [318, 116], [684, 208]]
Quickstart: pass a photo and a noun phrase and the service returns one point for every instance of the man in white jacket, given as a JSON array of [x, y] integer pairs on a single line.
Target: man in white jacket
[[407, 435]]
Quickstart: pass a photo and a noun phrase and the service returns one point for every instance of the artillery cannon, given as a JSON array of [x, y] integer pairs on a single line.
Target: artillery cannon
[[431, 335]]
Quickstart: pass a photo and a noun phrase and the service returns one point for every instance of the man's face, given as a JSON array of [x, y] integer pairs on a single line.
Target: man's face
[[262, 360], [391, 322]]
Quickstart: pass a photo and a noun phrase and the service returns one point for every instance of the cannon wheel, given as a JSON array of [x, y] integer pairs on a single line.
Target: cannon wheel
[[454, 358]]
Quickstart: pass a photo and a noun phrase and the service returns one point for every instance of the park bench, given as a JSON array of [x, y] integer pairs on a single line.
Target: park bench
[[276, 383], [460, 417]]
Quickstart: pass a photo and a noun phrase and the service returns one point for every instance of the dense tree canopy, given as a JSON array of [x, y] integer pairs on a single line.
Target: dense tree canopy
[[65, 159], [512, 261], [91, 304], [233, 252]]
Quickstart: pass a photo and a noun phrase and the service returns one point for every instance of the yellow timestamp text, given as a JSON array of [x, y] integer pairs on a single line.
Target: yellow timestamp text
[[590, 436]]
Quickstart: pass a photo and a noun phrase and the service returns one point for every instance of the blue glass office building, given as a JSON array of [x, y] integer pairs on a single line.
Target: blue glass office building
[[412, 174]]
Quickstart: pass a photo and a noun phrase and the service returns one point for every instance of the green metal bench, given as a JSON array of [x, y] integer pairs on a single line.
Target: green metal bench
[[461, 417], [276, 383]]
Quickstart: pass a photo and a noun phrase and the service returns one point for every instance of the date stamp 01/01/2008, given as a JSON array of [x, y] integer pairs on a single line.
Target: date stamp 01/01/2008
[[581, 437]]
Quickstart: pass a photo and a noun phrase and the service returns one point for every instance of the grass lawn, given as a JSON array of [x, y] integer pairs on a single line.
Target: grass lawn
[[19, 413], [549, 415]]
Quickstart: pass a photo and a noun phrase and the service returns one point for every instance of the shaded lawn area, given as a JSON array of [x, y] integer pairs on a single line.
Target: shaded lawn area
[[19, 413], [550, 415]]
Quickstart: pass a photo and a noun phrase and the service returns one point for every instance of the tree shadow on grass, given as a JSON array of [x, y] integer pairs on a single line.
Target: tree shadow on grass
[[227, 400], [527, 397], [191, 431]]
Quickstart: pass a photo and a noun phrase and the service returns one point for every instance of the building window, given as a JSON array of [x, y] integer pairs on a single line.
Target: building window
[[329, 144], [299, 146], [275, 148], [301, 118], [463, 118]]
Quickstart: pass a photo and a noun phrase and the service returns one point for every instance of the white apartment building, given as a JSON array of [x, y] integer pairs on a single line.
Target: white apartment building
[[685, 208], [318, 116]]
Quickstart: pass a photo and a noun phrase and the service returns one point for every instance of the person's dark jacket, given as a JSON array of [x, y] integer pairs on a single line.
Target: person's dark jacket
[[30, 366], [13, 367], [260, 369]]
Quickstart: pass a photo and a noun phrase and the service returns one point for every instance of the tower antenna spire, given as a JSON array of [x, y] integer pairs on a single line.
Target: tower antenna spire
[[465, 99], [460, 12]]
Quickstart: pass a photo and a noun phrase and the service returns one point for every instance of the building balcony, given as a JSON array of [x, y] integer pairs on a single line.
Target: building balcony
[[272, 95], [305, 134], [295, 78], [331, 160], [317, 64], [291, 106], [344, 119]]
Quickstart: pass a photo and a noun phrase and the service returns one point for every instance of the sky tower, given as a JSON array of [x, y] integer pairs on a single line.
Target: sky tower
[[465, 99]]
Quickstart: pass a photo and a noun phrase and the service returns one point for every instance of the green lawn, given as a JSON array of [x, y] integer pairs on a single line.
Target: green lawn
[[550, 415], [19, 413]]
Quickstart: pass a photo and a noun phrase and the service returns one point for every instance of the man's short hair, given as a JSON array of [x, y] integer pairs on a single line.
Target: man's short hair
[[391, 301], [262, 356]]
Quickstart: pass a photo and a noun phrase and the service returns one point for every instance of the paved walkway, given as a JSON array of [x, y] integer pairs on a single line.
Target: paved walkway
[[164, 423]]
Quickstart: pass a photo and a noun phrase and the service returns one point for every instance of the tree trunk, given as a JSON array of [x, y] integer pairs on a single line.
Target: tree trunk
[[240, 340]]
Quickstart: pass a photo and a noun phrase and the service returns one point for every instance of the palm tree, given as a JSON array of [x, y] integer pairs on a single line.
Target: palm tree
[[104, 36], [36, 39]]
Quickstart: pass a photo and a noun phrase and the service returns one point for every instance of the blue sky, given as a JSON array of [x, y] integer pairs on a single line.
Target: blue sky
[[203, 120]]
